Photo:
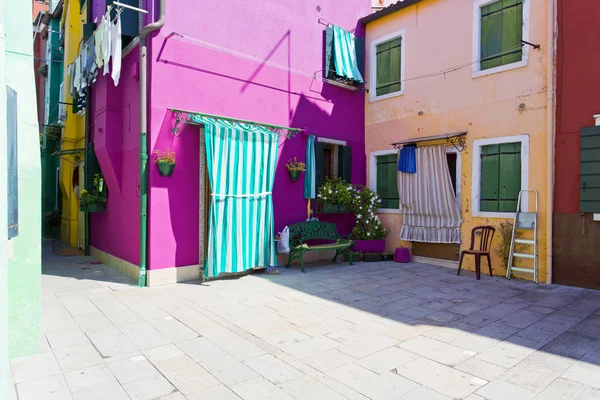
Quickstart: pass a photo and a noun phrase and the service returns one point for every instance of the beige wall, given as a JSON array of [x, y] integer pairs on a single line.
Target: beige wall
[[438, 36]]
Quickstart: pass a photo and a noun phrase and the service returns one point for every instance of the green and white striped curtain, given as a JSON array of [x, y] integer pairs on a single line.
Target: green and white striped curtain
[[241, 162], [344, 46]]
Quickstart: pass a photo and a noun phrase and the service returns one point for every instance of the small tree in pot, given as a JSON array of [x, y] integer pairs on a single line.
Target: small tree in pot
[[369, 233]]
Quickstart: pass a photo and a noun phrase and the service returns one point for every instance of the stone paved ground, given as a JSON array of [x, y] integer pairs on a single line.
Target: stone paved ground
[[369, 331]]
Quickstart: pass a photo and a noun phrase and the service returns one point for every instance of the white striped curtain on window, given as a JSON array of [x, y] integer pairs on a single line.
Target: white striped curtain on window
[[241, 161], [427, 201]]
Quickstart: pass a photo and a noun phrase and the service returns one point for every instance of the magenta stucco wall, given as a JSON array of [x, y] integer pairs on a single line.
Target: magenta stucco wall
[[186, 75]]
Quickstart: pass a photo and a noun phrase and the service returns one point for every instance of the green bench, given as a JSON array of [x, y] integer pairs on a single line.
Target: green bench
[[302, 232]]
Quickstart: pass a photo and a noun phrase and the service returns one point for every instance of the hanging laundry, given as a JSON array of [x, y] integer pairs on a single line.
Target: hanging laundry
[[91, 67], [98, 44], [407, 162], [77, 74], [116, 49], [106, 42]]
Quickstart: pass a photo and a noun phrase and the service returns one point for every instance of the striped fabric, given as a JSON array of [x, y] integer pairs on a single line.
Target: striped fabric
[[310, 191], [427, 201], [345, 54], [241, 161]]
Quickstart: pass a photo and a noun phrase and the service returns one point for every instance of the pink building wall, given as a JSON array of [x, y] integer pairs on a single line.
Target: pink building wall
[[186, 75]]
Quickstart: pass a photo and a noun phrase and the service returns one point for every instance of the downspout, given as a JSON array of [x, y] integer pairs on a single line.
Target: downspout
[[550, 138], [86, 169], [144, 138]]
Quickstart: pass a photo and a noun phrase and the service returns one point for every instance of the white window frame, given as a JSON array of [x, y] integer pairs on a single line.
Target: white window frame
[[373, 65], [373, 177], [477, 72], [452, 149], [476, 174]]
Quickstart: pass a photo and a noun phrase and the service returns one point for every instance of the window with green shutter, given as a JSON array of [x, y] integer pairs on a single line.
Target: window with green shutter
[[387, 181], [500, 177], [501, 33], [388, 68]]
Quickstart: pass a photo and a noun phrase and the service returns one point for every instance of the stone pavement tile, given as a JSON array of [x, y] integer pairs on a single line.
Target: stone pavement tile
[[311, 347], [150, 311], [259, 389], [280, 340], [579, 309], [273, 369], [174, 330], [353, 376], [240, 348], [185, 374], [451, 331], [444, 316], [149, 388], [481, 369], [407, 332], [77, 357], [200, 349], [502, 357], [386, 360], [92, 321], [589, 327], [121, 315], [523, 318], [421, 345], [475, 397], [564, 389], [66, 338], [570, 345], [502, 310], [132, 369], [497, 330], [307, 388], [162, 353], [78, 305], [416, 312], [102, 393], [344, 335], [530, 376], [111, 342], [366, 345], [584, 372], [479, 319], [557, 322], [219, 392], [423, 393], [476, 343], [228, 370], [540, 309], [172, 396], [33, 367], [438, 377], [264, 325], [466, 308], [92, 378], [328, 360], [144, 335], [48, 388], [500, 390], [448, 354], [387, 386]]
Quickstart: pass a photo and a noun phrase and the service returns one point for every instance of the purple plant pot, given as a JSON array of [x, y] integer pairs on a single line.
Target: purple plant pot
[[369, 246]]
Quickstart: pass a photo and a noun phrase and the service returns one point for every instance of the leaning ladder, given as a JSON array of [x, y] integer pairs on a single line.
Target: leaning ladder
[[525, 221]]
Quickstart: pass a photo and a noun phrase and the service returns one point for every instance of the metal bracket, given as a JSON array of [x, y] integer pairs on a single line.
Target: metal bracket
[[177, 126], [535, 46], [458, 142]]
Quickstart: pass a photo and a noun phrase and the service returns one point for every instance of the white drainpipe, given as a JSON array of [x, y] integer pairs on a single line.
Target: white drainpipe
[[550, 138]]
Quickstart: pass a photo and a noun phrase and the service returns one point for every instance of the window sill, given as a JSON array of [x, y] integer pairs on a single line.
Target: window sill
[[389, 211], [502, 68], [373, 99], [487, 214]]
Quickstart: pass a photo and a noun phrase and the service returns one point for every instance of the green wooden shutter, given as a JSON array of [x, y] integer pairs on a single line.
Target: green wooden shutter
[[319, 164], [490, 177], [509, 177], [589, 195], [387, 182], [345, 163], [501, 33], [329, 62], [389, 74]]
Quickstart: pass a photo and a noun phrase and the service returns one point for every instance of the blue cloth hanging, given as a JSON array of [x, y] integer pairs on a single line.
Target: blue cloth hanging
[[407, 162]]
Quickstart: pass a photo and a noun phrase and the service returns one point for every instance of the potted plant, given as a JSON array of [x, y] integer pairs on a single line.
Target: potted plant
[[372, 257], [387, 257], [356, 257], [165, 160], [334, 196], [369, 233], [294, 168], [53, 131], [96, 200]]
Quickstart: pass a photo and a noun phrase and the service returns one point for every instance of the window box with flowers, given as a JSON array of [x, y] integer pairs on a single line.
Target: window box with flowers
[[294, 168], [334, 197]]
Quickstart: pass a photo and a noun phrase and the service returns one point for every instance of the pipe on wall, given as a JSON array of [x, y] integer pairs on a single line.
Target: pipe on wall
[[550, 136], [146, 31]]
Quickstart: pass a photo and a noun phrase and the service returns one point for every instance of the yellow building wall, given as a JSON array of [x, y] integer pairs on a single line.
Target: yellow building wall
[[74, 127], [438, 37]]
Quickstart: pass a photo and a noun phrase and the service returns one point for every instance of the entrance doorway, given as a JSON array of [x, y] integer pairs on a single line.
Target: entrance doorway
[[444, 251]]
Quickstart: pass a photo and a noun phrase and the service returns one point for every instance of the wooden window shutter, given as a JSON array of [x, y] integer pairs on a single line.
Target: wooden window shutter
[[501, 33], [12, 163], [509, 176], [329, 63], [319, 164], [387, 182], [389, 61], [589, 194], [345, 163], [490, 177]]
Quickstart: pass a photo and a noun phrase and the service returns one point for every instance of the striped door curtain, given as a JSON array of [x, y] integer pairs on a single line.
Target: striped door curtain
[[427, 201], [241, 161]]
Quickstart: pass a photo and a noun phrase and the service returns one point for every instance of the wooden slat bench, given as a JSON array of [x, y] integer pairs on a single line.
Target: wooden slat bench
[[302, 232]]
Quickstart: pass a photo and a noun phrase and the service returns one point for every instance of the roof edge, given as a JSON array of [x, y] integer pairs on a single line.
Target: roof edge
[[401, 4]]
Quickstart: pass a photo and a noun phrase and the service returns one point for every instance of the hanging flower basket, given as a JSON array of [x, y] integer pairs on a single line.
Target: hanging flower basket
[[166, 169], [294, 175], [295, 168]]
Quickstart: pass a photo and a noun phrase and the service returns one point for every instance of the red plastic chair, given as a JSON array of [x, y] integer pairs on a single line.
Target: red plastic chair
[[483, 249]]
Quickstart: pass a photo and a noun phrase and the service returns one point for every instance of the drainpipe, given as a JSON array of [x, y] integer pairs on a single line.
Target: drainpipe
[[550, 138], [144, 138]]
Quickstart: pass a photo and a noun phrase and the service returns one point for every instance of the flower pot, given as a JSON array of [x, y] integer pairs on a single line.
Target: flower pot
[[95, 207], [166, 169], [387, 257], [369, 246], [371, 257], [331, 209], [356, 257], [294, 175]]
